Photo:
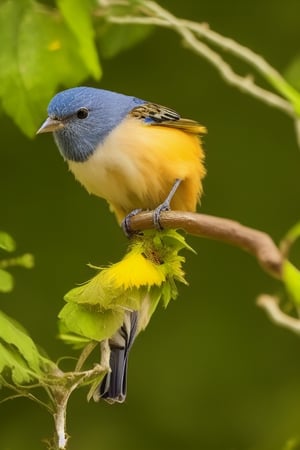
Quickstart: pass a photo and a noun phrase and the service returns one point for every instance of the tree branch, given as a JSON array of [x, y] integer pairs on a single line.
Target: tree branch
[[255, 242], [62, 392]]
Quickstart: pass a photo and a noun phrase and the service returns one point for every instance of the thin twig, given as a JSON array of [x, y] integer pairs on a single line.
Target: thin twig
[[271, 305], [161, 17], [256, 242], [246, 54], [85, 354], [105, 354], [26, 395]]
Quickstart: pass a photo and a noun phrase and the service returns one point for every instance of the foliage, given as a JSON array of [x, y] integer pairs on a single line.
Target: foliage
[[95, 310], [42, 48], [6, 279], [291, 275], [292, 72], [20, 359], [93, 313]]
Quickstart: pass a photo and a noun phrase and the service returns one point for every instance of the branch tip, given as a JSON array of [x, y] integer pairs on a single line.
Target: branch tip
[[271, 306]]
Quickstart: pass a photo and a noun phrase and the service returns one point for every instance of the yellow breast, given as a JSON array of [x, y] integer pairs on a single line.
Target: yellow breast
[[137, 164]]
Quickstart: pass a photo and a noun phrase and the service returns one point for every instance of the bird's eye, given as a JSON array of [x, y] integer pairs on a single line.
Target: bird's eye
[[82, 113]]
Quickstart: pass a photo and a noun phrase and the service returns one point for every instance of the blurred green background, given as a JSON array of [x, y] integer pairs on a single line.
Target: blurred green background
[[211, 372]]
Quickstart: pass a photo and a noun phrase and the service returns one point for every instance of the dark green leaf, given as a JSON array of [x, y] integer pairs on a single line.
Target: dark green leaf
[[113, 38]]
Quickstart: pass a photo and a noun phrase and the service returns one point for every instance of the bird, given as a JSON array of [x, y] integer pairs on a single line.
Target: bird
[[137, 155]]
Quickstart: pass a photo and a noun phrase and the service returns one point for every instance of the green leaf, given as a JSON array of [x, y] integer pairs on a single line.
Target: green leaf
[[292, 73], [113, 37], [94, 389], [90, 324], [77, 14], [6, 281], [38, 52], [155, 295], [12, 360], [175, 241], [18, 352], [291, 278], [74, 340], [7, 242], [293, 234], [98, 296], [26, 261]]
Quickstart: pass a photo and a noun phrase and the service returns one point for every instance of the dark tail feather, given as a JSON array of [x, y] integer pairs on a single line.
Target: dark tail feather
[[113, 386]]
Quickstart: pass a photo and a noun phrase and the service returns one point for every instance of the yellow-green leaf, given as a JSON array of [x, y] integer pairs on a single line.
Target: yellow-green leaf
[[12, 360], [78, 16], [7, 242], [6, 281], [94, 325], [38, 53], [18, 352], [291, 278]]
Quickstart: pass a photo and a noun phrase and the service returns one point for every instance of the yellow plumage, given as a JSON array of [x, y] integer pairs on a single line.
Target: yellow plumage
[[138, 163]]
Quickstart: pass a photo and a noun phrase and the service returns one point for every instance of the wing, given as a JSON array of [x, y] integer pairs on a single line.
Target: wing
[[154, 114]]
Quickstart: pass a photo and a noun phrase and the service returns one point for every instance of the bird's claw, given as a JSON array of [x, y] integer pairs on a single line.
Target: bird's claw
[[128, 231], [165, 206]]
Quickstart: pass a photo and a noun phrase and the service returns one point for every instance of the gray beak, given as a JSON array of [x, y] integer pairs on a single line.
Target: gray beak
[[50, 125]]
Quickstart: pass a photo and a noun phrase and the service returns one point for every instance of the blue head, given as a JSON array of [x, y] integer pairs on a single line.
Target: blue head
[[82, 117]]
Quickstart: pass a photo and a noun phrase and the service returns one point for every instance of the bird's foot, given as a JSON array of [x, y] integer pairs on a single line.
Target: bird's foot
[[128, 231], [165, 206]]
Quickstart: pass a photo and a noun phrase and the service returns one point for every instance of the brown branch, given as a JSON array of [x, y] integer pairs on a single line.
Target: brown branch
[[255, 242]]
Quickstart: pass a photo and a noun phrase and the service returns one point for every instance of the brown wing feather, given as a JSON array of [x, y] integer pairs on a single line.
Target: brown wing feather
[[157, 115]]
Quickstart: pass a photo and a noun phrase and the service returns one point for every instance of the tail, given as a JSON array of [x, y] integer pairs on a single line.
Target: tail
[[114, 385]]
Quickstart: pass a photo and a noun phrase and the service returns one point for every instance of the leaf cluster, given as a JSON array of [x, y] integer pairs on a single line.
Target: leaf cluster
[[149, 270], [43, 49], [8, 245]]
